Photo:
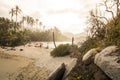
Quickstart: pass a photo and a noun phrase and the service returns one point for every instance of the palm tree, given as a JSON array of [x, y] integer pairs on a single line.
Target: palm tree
[[17, 11], [28, 20], [31, 21], [12, 13], [40, 24], [23, 20], [36, 22], [44, 28]]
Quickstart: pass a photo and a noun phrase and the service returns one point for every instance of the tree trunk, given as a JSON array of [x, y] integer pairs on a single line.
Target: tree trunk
[[15, 23], [54, 39], [58, 73], [72, 41]]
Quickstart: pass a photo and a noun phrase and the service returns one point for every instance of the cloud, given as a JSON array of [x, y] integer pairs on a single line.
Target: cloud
[[4, 11], [68, 15]]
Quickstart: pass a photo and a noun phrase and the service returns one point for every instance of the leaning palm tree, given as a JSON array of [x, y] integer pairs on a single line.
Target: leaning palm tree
[[12, 13]]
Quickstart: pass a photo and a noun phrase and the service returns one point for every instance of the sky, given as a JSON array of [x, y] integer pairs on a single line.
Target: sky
[[67, 15]]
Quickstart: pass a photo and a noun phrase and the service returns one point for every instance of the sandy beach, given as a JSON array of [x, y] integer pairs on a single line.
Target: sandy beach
[[33, 63]]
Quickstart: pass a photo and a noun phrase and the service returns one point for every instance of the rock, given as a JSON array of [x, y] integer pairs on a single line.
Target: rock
[[89, 56], [108, 60], [13, 48], [100, 75], [10, 48], [58, 73], [21, 49], [86, 72]]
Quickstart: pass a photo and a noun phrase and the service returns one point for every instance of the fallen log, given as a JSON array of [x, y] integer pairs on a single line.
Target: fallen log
[[58, 73]]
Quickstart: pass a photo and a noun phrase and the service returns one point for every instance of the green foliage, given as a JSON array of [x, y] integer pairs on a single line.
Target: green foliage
[[76, 76], [61, 50], [101, 34], [88, 44], [12, 35], [9, 36], [47, 35], [113, 36]]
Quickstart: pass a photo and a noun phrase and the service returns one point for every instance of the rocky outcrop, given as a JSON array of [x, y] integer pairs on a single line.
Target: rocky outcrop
[[86, 69], [89, 56], [109, 61]]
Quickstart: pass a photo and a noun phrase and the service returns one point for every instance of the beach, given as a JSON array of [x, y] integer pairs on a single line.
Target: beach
[[32, 63]]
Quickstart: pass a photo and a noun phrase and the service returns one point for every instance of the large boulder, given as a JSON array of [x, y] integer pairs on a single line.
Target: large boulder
[[89, 56], [58, 73], [109, 61], [86, 72]]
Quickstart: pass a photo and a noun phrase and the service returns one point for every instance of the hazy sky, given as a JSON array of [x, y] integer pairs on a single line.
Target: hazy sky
[[67, 15]]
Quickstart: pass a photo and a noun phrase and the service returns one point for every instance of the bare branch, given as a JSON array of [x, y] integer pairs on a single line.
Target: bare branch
[[109, 10], [112, 14], [112, 5], [103, 18]]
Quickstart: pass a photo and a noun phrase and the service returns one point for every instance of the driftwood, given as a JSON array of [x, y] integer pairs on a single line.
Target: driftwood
[[69, 68], [58, 73]]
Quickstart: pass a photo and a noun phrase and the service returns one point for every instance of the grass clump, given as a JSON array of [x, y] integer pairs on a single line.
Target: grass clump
[[62, 50]]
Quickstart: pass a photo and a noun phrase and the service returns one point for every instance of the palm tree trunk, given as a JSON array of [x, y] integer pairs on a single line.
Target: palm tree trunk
[[16, 23], [16, 18], [11, 18], [72, 41], [54, 39]]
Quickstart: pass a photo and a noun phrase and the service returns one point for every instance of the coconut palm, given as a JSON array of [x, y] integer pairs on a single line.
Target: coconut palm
[[12, 13], [32, 21], [40, 24], [17, 11], [44, 28], [28, 20], [23, 20], [36, 20]]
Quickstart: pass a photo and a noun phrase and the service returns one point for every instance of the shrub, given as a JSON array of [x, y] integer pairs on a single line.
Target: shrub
[[88, 44], [61, 50]]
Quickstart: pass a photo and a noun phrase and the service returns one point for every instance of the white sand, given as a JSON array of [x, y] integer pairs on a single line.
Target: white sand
[[10, 64], [42, 60], [42, 57]]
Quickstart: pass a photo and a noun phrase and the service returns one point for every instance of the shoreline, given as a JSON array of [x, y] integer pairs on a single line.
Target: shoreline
[[31, 63]]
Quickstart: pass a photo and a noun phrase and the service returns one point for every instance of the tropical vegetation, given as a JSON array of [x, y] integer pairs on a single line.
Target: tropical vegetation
[[18, 31]]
